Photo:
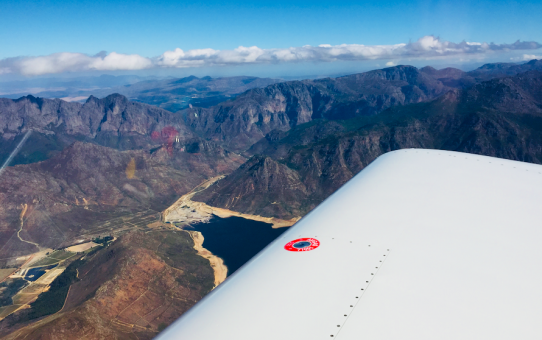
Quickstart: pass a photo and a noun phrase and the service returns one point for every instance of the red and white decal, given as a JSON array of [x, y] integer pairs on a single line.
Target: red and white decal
[[302, 244]]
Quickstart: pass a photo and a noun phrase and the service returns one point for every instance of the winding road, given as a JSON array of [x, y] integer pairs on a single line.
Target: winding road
[[25, 207]]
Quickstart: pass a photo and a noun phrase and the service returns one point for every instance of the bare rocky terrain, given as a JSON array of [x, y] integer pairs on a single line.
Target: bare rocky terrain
[[294, 171], [239, 123], [112, 166], [113, 121]]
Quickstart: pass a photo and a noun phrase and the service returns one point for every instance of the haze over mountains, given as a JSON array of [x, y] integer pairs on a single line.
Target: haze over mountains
[[63, 87], [283, 148], [171, 93], [176, 94]]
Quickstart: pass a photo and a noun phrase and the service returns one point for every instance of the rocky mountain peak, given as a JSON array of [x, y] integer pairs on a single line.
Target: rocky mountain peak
[[91, 98], [241, 122], [520, 94], [111, 121], [448, 72]]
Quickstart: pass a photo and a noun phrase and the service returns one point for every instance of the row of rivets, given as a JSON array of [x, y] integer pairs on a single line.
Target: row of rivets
[[357, 297]]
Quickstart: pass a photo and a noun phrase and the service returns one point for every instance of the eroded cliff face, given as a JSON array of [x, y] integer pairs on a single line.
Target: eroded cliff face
[[113, 114], [241, 122], [501, 118], [113, 121]]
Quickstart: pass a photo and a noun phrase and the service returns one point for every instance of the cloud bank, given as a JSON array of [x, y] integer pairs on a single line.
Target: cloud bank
[[425, 47], [531, 56]]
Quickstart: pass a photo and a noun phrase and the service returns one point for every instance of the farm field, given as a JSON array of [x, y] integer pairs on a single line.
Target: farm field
[[49, 277], [53, 258], [82, 247], [5, 311]]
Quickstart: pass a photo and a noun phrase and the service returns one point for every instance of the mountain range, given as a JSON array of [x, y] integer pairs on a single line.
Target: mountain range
[[280, 149], [170, 93], [294, 171], [113, 121], [175, 94], [239, 123], [304, 140]]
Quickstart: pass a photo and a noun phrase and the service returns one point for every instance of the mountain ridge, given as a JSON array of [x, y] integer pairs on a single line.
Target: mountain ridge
[[500, 117], [239, 123], [113, 121]]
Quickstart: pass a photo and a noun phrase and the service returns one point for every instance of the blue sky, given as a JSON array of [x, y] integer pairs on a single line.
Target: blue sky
[[149, 28]]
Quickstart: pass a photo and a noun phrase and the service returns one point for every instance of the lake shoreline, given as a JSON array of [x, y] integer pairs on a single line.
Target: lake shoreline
[[235, 239], [219, 268], [185, 211]]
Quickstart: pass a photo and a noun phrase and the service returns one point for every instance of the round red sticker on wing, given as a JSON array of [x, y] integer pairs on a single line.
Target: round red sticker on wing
[[302, 244]]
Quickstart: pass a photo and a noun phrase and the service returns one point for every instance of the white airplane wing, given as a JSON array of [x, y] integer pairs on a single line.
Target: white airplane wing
[[422, 244]]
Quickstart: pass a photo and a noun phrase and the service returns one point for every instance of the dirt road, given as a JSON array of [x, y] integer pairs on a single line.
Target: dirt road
[[23, 212]]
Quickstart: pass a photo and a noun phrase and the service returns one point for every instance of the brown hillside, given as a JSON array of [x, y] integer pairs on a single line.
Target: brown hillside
[[129, 290]]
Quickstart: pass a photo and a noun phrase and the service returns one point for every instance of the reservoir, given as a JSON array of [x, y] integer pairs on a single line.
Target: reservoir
[[35, 273], [236, 240]]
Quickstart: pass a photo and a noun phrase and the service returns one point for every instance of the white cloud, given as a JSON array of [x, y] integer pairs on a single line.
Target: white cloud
[[116, 61], [73, 62], [390, 64], [425, 47], [531, 56]]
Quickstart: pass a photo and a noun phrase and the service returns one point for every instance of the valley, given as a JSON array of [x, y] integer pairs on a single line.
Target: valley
[[40, 269], [117, 216], [170, 94]]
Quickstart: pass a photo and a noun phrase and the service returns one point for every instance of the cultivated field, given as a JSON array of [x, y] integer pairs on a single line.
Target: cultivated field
[[82, 247], [5, 311], [49, 277], [54, 258]]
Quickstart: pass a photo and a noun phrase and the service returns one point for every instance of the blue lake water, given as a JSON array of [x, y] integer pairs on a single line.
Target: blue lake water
[[35, 273], [236, 240]]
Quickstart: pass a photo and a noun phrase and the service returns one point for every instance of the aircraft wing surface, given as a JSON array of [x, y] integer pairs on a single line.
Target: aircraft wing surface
[[422, 244]]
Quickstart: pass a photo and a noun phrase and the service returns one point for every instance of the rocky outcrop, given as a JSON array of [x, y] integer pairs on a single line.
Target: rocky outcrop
[[241, 122], [242, 190], [112, 121]]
